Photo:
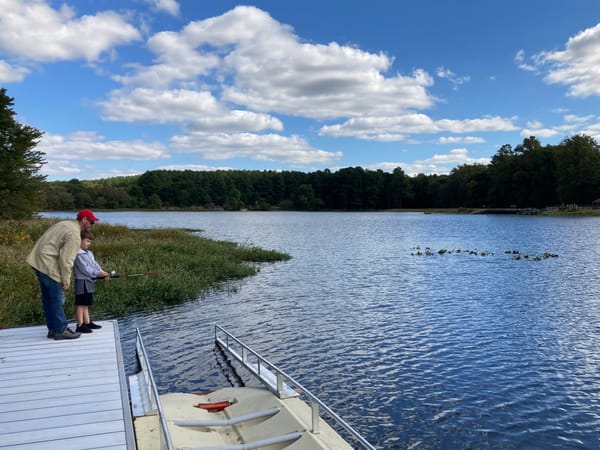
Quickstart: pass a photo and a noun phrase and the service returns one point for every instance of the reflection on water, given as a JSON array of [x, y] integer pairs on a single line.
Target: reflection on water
[[445, 351]]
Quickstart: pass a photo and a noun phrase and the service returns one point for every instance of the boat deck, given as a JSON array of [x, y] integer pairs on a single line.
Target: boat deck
[[63, 394]]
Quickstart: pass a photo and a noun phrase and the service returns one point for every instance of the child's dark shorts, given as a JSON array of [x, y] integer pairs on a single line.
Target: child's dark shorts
[[86, 299]]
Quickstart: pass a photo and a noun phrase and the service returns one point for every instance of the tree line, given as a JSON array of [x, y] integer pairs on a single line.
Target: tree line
[[528, 175]]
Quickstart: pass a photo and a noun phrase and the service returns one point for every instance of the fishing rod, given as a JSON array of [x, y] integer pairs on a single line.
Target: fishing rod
[[114, 274]]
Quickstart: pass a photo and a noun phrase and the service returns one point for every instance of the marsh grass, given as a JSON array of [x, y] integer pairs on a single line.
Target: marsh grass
[[179, 264]]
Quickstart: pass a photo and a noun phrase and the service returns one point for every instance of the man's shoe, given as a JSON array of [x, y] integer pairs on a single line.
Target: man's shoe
[[83, 329], [51, 335], [93, 326], [67, 333]]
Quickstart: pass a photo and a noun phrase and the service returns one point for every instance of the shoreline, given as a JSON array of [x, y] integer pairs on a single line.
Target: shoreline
[[586, 211]]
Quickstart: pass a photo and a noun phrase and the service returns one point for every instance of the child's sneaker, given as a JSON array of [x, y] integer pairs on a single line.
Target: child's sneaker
[[83, 329], [93, 326]]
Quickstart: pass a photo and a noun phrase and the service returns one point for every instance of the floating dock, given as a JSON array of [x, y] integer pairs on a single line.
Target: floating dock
[[67, 395]]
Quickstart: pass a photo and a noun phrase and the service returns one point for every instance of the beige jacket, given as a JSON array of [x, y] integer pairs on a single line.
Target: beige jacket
[[54, 252]]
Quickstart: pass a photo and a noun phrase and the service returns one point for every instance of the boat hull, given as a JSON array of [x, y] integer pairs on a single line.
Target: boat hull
[[278, 423]]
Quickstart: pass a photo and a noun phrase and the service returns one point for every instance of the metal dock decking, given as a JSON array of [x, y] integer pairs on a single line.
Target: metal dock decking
[[63, 394]]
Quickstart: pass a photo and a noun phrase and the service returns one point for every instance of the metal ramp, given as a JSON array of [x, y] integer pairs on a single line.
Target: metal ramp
[[279, 382], [145, 398]]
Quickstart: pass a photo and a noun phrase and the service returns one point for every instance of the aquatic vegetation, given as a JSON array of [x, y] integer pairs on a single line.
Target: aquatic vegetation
[[516, 254], [416, 251], [177, 265]]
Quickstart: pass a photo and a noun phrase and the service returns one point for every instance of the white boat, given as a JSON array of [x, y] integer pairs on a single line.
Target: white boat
[[271, 416]]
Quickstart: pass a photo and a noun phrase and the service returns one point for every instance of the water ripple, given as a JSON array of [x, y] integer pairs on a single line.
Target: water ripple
[[452, 351]]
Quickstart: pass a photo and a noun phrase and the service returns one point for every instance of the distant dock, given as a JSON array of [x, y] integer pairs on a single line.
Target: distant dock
[[66, 395]]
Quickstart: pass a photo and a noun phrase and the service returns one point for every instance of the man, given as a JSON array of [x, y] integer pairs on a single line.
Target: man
[[52, 260]]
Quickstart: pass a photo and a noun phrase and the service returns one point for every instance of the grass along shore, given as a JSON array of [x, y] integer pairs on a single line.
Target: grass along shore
[[181, 266]]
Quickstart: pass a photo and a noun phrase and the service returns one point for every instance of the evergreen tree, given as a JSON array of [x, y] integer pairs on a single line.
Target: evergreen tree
[[21, 187]]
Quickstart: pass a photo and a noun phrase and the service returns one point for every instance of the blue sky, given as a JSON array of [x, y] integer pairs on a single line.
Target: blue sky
[[122, 87]]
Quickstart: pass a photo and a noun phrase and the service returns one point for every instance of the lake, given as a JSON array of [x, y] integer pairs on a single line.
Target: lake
[[423, 331]]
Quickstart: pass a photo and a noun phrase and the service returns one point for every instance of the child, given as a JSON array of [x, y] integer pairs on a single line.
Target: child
[[85, 271]]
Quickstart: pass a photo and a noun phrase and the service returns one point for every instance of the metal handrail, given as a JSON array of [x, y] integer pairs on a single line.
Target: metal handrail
[[263, 364], [154, 391]]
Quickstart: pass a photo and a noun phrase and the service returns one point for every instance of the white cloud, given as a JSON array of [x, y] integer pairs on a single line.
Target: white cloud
[[577, 66], [382, 128], [12, 74], [292, 150], [440, 164], [62, 169], [262, 65], [194, 167], [537, 129], [81, 154], [593, 130], [168, 6], [231, 74], [460, 140], [535, 124], [197, 110], [452, 77], [33, 31], [90, 146], [573, 118], [539, 132], [520, 61], [177, 62], [572, 125], [70, 169], [455, 156]]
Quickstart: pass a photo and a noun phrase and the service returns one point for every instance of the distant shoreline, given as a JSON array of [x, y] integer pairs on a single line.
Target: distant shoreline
[[553, 211], [558, 212]]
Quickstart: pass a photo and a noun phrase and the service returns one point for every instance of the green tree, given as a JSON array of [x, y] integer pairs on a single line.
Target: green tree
[[233, 201], [114, 197], [400, 188], [350, 188], [304, 197], [58, 197], [154, 202], [578, 170], [469, 184], [373, 189], [502, 168], [534, 182], [21, 186]]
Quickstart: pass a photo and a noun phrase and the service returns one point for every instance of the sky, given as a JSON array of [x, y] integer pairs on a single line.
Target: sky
[[120, 87]]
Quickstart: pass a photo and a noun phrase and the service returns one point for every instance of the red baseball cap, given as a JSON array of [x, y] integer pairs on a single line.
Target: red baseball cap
[[88, 214]]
